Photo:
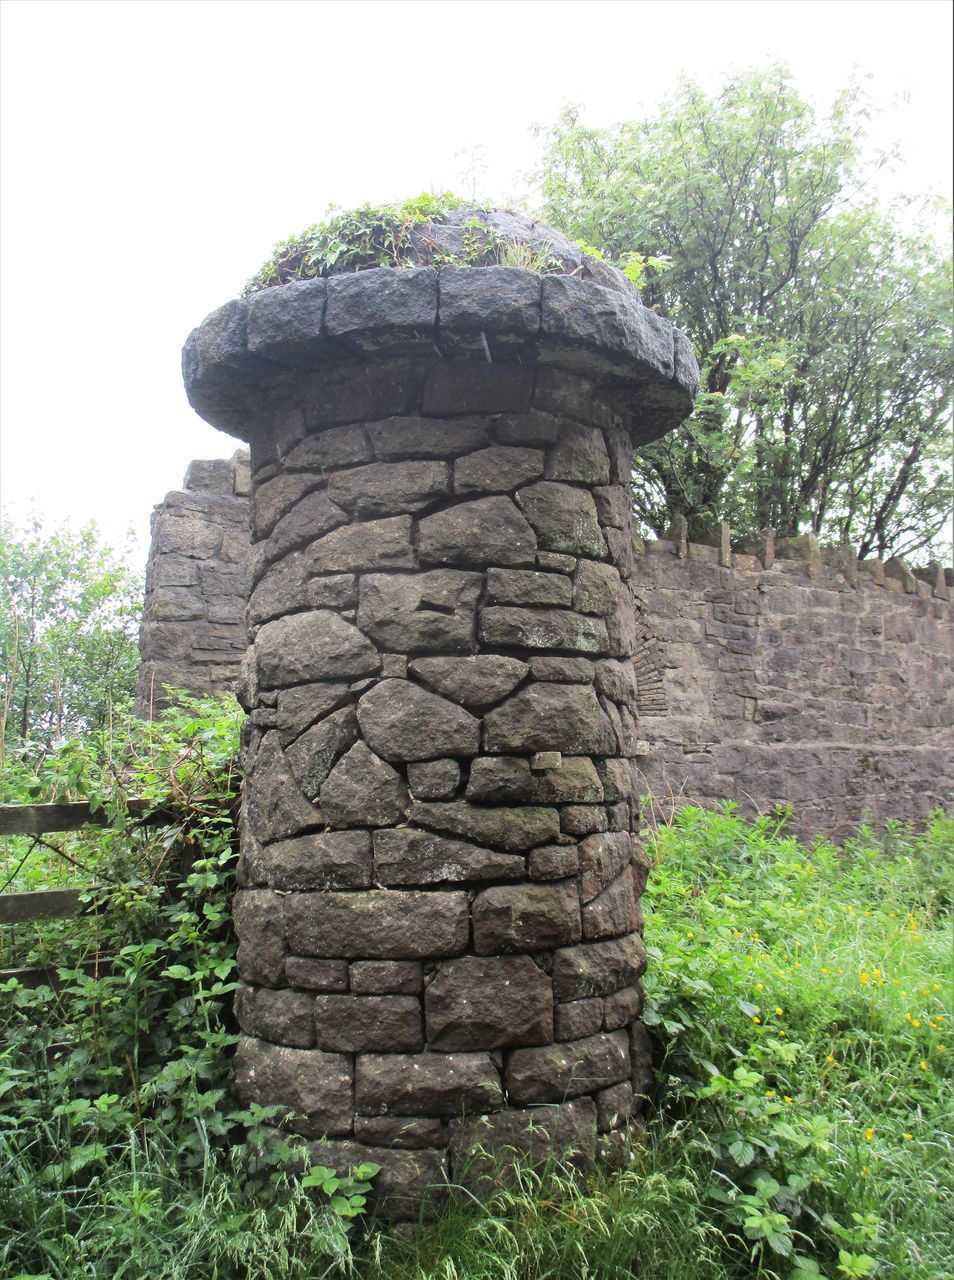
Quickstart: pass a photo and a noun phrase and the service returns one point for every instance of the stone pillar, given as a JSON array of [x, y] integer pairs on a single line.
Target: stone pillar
[[440, 935]]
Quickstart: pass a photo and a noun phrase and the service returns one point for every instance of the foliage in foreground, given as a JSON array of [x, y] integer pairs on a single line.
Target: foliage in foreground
[[798, 997]]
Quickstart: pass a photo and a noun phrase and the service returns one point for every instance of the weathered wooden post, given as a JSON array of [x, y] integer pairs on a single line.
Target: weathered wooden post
[[439, 919]]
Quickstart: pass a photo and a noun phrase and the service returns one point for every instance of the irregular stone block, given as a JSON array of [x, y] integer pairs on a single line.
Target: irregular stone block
[[404, 438], [598, 968], [330, 860], [330, 448], [549, 717], [543, 629], [578, 1018], [641, 1056], [386, 977], [381, 298], [563, 670], [563, 518], [317, 975], [579, 455], [583, 819], [404, 1132], [406, 856], [553, 861], [528, 586], [285, 325], [613, 505], [476, 681], [553, 1072], [614, 911], [424, 611], [597, 588], [362, 790], [526, 917], [311, 517], [402, 721], [602, 858], [433, 779], [358, 1023], [499, 469], [363, 548], [510, 829], [433, 1084], [389, 488], [312, 1087], [484, 1149], [258, 919], [378, 924], [485, 531], [530, 429], [313, 755], [303, 705], [497, 300], [621, 1008], [488, 1003], [283, 1017], [614, 1106], [616, 680], [273, 802], [312, 646]]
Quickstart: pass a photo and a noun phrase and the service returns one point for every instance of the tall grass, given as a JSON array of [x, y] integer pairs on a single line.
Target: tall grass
[[801, 1126]]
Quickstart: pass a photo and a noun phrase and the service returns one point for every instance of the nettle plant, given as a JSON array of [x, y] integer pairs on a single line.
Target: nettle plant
[[395, 235]]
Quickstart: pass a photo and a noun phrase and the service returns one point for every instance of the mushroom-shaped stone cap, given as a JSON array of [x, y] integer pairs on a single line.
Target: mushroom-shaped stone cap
[[580, 315]]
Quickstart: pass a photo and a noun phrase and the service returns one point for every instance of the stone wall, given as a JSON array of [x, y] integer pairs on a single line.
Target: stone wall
[[826, 686], [193, 628]]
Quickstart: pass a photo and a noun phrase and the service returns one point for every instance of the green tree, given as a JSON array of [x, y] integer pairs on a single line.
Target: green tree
[[69, 620], [823, 328]]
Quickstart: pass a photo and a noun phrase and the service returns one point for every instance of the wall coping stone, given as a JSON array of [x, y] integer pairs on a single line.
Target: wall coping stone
[[243, 354]]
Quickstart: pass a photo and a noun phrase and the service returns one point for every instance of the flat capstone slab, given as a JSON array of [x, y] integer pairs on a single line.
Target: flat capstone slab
[[438, 918]]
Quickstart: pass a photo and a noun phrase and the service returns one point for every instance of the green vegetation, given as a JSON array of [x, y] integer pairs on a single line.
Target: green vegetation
[[69, 624], [798, 997], [822, 322]]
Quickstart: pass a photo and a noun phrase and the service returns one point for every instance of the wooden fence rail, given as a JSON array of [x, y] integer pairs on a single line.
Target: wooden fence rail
[[58, 904]]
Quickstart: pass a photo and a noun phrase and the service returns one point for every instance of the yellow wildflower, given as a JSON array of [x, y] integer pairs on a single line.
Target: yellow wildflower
[[779, 1012], [915, 1022], [786, 1098], [863, 979], [908, 1137], [869, 1134], [757, 1020], [923, 1065]]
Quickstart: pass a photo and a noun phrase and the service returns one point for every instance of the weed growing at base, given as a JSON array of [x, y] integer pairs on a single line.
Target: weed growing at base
[[799, 999]]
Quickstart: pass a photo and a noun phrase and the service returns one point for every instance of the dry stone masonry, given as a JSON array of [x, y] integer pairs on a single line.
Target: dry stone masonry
[[193, 631], [439, 925]]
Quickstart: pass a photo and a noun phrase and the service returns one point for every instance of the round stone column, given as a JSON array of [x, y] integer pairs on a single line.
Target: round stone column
[[439, 925]]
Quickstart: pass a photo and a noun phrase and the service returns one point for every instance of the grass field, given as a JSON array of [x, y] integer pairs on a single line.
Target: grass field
[[799, 999]]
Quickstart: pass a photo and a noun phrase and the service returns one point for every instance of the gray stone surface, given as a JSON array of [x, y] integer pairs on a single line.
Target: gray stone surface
[[550, 717], [312, 646], [526, 917], [407, 856], [492, 1002], [475, 533], [365, 1023], [378, 924], [430, 1084], [363, 791], [312, 1087], [420, 612], [402, 721], [564, 518], [511, 829], [554, 1072], [476, 681]]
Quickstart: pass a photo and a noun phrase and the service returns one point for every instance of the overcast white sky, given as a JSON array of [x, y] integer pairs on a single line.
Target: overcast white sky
[[153, 151]]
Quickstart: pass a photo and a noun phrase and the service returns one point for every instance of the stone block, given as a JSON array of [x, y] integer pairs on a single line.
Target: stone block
[[549, 717], [329, 860], [613, 506], [389, 488], [498, 469], [614, 911], [258, 919], [563, 518], [364, 548], [406, 856], [284, 325], [597, 588], [578, 1018], [412, 1184], [476, 681], [312, 646], [312, 1086], [424, 611], [433, 779], [563, 670], [406, 438], [484, 531], [553, 861], [583, 819], [484, 1003], [317, 975], [401, 721], [598, 968], [602, 858], [526, 917], [473, 386], [497, 300], [386, 977], [400, 1131], [312, 756], [359, 1023], [543, 629], [531, 429], [329, 449], [621, 1008], [614, 1106], [514, 829], [378, 924], [380, 298], [363, 791], [431, 1084], [283, 1017], [274, 804], [528, 587], [553, 1072], [579, 455]]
